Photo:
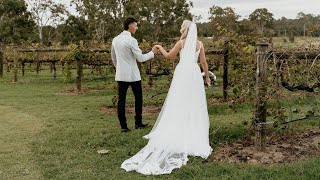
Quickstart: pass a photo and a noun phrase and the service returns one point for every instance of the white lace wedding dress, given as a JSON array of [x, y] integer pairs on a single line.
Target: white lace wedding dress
[[182, 127]]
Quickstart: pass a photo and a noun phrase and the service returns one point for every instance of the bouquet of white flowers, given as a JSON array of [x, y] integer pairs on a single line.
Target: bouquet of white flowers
[[212, 77]]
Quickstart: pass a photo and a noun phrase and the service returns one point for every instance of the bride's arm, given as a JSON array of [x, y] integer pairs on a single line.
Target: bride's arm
[[204, 64], [172, 53]]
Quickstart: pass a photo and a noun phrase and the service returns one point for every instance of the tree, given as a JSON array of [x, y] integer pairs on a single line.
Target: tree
[[103, 16], [73, 30], [262, 19], [224, 17], [16, 24], [46, 12], [303, 25], [158, 19], [205, 29], [309, 23], [245, 27]]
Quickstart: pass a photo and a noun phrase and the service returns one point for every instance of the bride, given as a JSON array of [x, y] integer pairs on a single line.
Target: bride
[[182, 127]]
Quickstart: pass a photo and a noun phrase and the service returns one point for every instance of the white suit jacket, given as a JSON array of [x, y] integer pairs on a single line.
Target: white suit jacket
[[124, 53]]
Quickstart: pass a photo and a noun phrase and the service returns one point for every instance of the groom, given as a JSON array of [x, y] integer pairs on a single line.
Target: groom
[[124, 53]]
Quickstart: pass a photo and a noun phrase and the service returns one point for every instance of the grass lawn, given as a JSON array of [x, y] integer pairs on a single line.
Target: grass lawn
[[299, 42], [46, 134]]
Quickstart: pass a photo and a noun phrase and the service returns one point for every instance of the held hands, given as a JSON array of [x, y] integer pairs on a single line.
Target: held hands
[[157, 46], [156, 49]]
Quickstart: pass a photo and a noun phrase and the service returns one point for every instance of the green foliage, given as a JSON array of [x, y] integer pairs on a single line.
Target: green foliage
[[158, 20], [241, 71], [224, 17], [16, 25], [66, 72], [313, 29], [303, 25], [45, 12], [262, 19], [103, 18], [73, 31]]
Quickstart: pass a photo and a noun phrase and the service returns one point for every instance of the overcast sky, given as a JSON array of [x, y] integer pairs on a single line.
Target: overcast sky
[[279, 8]]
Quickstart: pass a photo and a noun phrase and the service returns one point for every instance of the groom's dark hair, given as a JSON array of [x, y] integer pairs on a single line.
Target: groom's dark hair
[[128, 21]]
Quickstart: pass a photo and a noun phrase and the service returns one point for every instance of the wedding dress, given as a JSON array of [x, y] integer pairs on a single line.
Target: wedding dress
[[182, 127]]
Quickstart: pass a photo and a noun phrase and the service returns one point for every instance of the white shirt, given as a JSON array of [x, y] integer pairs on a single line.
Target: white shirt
[[124, 53]]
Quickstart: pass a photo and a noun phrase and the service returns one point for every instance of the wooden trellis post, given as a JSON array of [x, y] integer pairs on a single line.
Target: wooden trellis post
[[261, 102], [38, 67], [225, 70], [1, 63], [79, 67], [15, 65], [150, 67], [23, 68], [79, 74], [54, 70]]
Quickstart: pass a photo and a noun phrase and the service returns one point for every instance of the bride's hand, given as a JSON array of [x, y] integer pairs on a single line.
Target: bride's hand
[[158, 46], [208, 81]]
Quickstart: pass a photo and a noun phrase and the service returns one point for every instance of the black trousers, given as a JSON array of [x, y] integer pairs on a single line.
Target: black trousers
[[137, 91]]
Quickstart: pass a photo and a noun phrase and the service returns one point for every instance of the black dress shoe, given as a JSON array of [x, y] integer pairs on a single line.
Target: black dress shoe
[[142, 126], [125, 130]]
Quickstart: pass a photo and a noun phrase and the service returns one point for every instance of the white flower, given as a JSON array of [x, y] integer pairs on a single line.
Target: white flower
[[211, 75]]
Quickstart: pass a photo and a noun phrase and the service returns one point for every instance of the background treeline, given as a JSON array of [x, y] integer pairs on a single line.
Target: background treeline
[[46, 22]]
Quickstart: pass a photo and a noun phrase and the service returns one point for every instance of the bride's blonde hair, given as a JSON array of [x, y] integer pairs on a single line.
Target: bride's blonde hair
[[185, 29]]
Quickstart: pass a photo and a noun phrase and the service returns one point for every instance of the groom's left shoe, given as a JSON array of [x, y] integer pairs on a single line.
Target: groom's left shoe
[[142, 126], [125, 130]]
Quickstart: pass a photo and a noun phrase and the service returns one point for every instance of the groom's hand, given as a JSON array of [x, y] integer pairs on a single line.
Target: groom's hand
[[155, 50]]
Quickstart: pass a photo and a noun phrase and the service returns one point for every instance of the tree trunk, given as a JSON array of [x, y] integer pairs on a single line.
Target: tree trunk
[[40, 35]]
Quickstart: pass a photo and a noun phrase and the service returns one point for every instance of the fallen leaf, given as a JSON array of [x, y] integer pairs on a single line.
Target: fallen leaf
[[103, 151]]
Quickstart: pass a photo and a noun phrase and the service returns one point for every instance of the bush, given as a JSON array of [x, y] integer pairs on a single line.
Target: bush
[[284, 40], [291, 39]]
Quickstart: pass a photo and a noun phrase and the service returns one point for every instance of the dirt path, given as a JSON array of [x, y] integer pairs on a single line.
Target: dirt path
[[282, 149], [17, 132]]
